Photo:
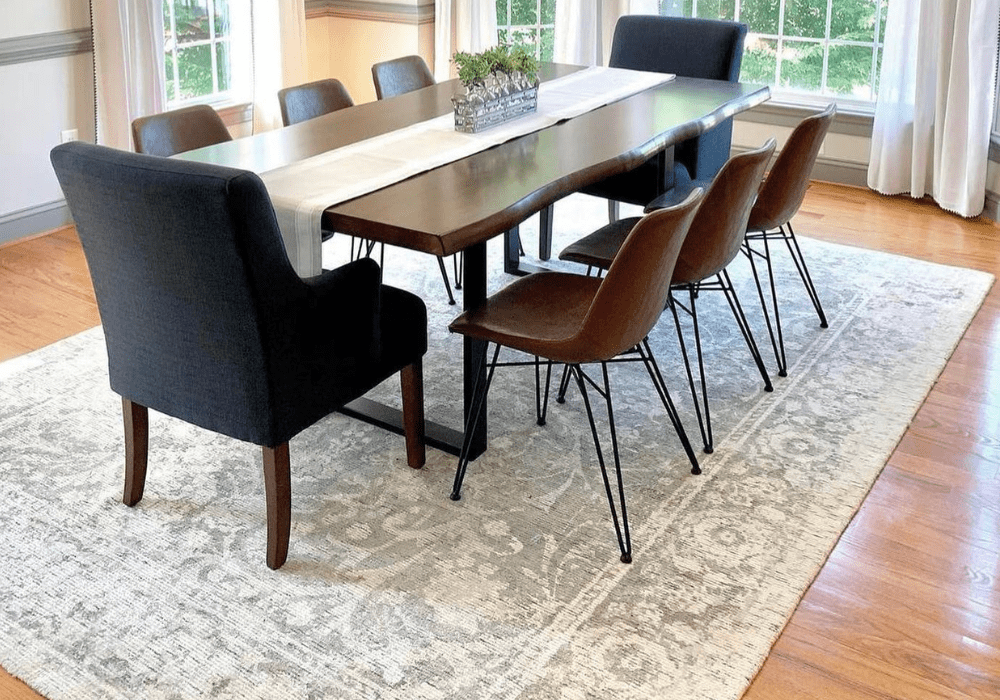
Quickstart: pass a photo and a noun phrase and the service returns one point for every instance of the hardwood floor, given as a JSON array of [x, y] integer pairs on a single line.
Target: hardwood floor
[[908, 604]]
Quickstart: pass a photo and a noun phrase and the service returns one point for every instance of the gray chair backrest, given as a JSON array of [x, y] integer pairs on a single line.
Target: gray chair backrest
[[692, 48], [312, 100], [400, 75]]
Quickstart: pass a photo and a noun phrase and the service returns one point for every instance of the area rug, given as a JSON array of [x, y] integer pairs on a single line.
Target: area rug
[[391, 590]]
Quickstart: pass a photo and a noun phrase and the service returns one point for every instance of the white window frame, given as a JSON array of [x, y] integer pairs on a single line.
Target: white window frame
[[216, 97], [803, 97], [504, 23]]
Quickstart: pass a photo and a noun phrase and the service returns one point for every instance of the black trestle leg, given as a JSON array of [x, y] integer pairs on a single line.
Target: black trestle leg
[[621, 527], [479, 398]]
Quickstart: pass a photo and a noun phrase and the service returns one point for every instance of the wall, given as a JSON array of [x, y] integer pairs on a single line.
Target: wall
[[346, 38], [46, 86]]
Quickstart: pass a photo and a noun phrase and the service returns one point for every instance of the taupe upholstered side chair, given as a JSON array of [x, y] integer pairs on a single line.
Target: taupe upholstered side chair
[[398, 77], [713, 241], [180, 130], [310, 100], [206, 320], [576, 320], [303, 102], [771, 218]]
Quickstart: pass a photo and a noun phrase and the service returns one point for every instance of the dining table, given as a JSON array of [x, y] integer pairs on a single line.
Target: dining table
[[459, 206]]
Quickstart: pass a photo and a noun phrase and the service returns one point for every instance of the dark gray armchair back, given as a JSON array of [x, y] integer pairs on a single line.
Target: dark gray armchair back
[[199, 302], [692, 48]]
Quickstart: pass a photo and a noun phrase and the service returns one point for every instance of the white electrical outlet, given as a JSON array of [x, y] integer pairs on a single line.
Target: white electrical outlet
[[70, 135]]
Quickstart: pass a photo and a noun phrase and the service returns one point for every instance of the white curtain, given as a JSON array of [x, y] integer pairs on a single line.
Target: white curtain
[[278, 54], [461, 25], [584, 28], [129, 76], [935, 105]]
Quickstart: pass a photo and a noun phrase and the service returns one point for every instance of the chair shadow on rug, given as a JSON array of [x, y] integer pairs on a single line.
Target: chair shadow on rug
[[205, 319]]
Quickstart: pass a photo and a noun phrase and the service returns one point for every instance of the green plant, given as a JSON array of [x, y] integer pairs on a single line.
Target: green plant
[[473, 68]]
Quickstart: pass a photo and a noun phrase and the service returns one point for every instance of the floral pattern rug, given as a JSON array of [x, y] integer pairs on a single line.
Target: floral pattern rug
[[391, 590]]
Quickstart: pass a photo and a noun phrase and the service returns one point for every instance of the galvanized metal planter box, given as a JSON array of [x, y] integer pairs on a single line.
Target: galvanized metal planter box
[[495, 102]]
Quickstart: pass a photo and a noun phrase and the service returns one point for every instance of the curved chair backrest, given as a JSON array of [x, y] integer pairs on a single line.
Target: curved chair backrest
[[718, 229], [634, 291], [192, 281], [691, 48], [312, 100], [181, 130], [786, 184], [400, 75], [685, 46]]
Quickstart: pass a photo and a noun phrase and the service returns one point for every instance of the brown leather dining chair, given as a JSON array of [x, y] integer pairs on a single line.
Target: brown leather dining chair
[[577, 320], [713, 241], [310, 100], [179, 130], [771, 218], [399, 76]]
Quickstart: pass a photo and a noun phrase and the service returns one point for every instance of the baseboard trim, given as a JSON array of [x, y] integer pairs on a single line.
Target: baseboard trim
[[38, 47], [394, 12], [992, 208], [31, 221], [835, 170]]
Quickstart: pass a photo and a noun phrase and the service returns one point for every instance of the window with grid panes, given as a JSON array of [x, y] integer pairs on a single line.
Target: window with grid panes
[[197, 51], [528, 22], [811, 47]]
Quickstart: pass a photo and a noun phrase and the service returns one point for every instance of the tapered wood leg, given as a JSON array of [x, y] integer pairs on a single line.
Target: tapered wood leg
[[411, 379], [136, 418], [278, 491]]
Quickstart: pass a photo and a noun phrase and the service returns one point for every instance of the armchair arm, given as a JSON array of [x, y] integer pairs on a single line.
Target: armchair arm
[[343, 307]]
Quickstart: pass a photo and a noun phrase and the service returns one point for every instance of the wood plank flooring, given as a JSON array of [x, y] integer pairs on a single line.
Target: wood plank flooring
[[908, 604]]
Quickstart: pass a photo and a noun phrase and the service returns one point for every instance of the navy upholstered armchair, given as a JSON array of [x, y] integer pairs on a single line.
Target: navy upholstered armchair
[[205, 319], [687, 47]]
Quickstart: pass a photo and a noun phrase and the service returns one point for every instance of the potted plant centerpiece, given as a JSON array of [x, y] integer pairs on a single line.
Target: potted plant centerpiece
[[498, 85]]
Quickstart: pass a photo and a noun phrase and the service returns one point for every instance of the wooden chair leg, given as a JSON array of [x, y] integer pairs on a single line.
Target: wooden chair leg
[[411, 379], [136, 418], [278, 491]]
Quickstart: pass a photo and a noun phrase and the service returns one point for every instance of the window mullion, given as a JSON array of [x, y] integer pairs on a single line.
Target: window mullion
[[173, 54], [780, 45], [212, 48], [824, 74]]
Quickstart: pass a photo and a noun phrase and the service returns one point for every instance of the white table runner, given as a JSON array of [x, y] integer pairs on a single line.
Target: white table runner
[[302, 191]]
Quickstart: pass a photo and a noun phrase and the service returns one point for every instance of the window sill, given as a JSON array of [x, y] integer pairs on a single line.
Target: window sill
[[787, 111], [232, 113]]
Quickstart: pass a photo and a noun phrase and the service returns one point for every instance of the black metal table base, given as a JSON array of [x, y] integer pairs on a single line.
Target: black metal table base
[[388, 418]]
